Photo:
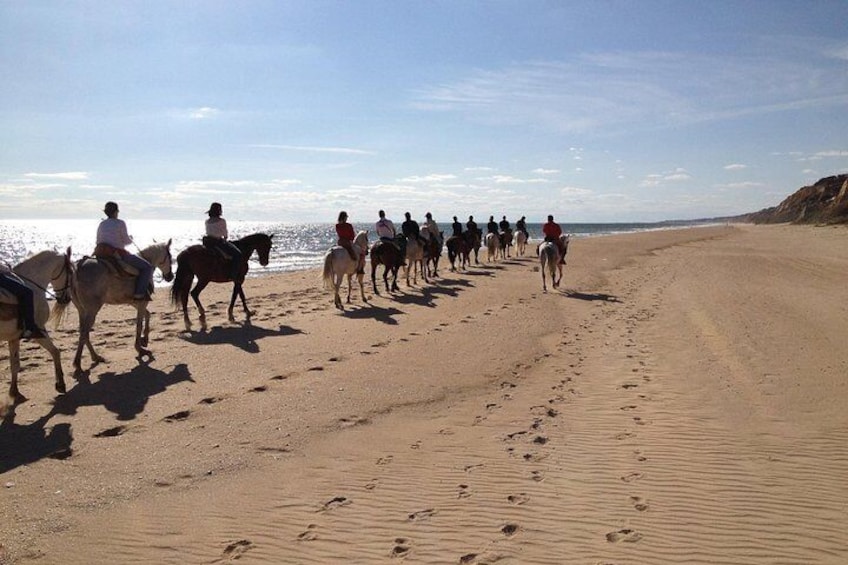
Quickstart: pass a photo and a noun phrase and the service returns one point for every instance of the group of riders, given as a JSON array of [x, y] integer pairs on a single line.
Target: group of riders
[[113, 239], [429, 232]]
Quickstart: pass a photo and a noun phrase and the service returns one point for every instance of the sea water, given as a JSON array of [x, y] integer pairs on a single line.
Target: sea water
[[296, 246]]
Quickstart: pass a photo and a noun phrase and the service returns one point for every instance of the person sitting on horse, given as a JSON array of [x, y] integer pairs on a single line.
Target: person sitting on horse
[[26, 305], [216, 238], [472, 226], [504, 225], [346, 236], [492, 226], [521, 225], [388, 234], [412, 230], [432, 228], [112, 239], [552, 231], [456, 226]]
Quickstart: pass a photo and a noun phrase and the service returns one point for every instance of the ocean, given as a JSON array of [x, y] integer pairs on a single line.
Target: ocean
[[296, 246]]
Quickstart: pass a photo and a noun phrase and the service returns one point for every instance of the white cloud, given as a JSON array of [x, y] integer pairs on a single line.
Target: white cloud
[[735, 167], [741, 185], [203, 113], [507, 179], [677, 175], [314, 149], [545, 171], [76, 175], [435, 177]]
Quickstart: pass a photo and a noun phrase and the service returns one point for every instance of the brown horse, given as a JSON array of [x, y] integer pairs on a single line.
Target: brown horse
[[432, 253], [458, 248], [208, 265], [388, 255]]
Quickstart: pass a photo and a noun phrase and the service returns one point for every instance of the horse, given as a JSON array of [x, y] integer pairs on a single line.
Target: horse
[[37, 271], [209, 265], [388, 255], [505, 243], [96, 282], [433, 252], [520, 243], [492, 245], [414, 260], [474, 243], [458, 248], [549, 259], [337, 264]]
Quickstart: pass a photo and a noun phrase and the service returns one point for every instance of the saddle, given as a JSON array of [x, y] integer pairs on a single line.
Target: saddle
[[211, 244], [109, 257]]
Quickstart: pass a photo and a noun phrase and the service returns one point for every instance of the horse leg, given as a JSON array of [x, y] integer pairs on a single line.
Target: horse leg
[[86, 324], [395, 286], [195, 296], [14, 369], [374, 276], [349, 286], [142, 327], [51, 348], [361, 276], [544, 286], [238, 291]]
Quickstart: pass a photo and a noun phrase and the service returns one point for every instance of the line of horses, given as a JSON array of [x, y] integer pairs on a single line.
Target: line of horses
[[92, 282]]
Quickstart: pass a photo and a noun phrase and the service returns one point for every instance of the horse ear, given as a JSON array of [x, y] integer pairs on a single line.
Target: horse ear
[[271, 236], [169, 242], [68, 252]]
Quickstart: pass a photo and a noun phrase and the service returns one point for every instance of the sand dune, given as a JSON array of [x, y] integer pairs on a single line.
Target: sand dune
[[679, 400]]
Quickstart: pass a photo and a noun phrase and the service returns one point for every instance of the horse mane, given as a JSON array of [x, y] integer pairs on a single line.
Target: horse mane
[[38, 256]]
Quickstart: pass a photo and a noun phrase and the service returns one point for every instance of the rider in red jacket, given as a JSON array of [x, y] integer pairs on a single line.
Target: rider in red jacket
[[552, 233], [346, 236]]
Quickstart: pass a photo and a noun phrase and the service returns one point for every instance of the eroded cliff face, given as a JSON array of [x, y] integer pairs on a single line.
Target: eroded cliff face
[[825, 202]]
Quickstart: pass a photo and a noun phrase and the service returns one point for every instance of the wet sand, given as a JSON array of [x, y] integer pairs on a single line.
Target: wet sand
[[680, 399]]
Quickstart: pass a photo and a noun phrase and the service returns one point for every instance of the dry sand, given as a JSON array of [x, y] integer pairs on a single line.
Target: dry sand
[[681, 399]]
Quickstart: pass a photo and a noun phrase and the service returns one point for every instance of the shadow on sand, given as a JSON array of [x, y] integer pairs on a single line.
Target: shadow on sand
[[125, 395], [243, 337], [591, 296]]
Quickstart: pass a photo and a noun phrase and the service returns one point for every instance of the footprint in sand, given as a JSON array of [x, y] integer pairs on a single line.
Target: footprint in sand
[[625, 435], [401, 548], [421, 515], [509, 530], [628, 386], [537, 476], [111, 432], [210, 400], [309, 535], [463, 492], [335, 503], [518, 499], [469, 468], [625, 535], [639, 503], [238, 548], [260, 388], [468, 558], [631, 477], [177, 416]]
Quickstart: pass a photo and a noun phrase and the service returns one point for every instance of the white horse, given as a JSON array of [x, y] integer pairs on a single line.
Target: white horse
[[493, 243], [38, 271], [549, 258], [337, 264], [95, 283], [549, 261], [414, 261], [520, 243]]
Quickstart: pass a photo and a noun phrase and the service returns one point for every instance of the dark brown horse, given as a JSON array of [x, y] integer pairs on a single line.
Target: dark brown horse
[[475, 239], [208, 265], [432, 254], [388, 255], [458, 248]]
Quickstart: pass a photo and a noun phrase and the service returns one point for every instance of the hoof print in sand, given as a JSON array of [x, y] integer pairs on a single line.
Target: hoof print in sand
[[111, 432], [509, 530], [401, 548], [178, 416]]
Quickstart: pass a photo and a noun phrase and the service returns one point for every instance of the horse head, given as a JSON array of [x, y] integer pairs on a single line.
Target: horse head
[[361, 240], [263, 248], [159, 255]]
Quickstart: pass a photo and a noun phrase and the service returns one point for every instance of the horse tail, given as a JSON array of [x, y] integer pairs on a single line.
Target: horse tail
[[57, 313], [182, 282], [327, 275]]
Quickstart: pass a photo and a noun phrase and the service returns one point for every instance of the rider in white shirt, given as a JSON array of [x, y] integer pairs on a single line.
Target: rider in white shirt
[[385, 228], [216, 236], [112, 238], [432, 227]]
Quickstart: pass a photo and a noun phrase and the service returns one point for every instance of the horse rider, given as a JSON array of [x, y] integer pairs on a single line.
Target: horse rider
[[504, 225], [492, 226], [346, 236], [216, 238], [521, 225], [388, 234], [112, 239], [456, 226], [552, 231], [432, 228], [411, 229], [26, 305], [471, 225]]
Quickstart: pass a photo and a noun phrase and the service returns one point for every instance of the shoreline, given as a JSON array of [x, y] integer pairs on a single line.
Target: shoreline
[[468, 420]]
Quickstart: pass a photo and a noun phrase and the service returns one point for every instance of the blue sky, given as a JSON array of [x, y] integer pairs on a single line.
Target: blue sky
[[597, 111]]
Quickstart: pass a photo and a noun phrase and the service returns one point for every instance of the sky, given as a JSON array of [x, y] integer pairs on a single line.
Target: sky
[[290, 111]]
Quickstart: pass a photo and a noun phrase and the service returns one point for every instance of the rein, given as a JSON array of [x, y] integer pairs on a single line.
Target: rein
[[55, 291]]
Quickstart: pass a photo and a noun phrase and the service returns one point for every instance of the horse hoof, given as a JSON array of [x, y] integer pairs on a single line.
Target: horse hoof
[[60, 388]]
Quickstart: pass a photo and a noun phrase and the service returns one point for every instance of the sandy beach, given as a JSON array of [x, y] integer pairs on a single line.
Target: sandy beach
[[679, 399]]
